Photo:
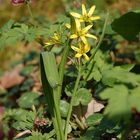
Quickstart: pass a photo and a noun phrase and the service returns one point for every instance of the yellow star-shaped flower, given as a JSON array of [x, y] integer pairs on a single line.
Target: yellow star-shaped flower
[[56, 39], [86, 16], [82, 33], [82, 50]]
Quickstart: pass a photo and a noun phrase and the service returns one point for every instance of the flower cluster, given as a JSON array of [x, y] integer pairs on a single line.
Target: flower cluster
[[82, 33], [55, 39]]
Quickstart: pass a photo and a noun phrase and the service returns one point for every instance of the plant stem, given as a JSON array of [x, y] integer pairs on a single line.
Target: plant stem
[[127, 129], [101, 38], [55, 124], [80, 124], [58, 117], [61, 75], [62, 66], [71, 103], [31, 14], [91, 61]]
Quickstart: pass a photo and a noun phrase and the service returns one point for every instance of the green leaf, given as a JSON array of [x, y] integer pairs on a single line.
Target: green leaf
[[88, 135], [7, 26], [24, 28], [137, 55], [39, 136], [83, 96], [26, 70], [50, 83], [127, 67], [95, 74], [101, 61], [135, 99], [117, 76], [51, 69], [64, 106], [24, 120], [94, 119], [100, 64], [128, 25], [118, 107], [28, 99], [69, 89], [69, 128], [14, 32], [27, 84]]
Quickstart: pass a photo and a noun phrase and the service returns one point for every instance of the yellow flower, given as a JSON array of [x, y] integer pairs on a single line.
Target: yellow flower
[[82, 50], [86, 17], [54, 40], [82, 33]]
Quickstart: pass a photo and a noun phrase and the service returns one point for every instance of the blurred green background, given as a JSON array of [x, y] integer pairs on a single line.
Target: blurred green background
[[50, 9]]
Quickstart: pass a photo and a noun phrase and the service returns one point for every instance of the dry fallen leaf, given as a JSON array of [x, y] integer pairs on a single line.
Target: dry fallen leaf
[[12, 78], [88, 110], [22, 134], [93, 107]]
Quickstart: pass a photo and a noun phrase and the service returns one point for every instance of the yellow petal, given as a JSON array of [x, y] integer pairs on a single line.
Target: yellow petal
[[86, 57], [91, 36], [48, 43], [68, 25], [94, 18], [55, 38], [84, 12], [75, 14], [78, 25], [87, 48], [73, 36], [91, 11], [75, 48], [78, 55], [85, 30], [83, 39], [81, 19]]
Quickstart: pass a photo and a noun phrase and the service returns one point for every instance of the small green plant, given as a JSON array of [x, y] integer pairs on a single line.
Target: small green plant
[[85, 71], [53, 75]]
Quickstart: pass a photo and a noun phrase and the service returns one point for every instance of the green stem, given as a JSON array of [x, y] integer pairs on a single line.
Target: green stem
[[58, 118], [101, 38], [127, 129], [56, 128], [80, 124], [71, 103], [61, 75], [62, 66], [98, 46], [31, 14]]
